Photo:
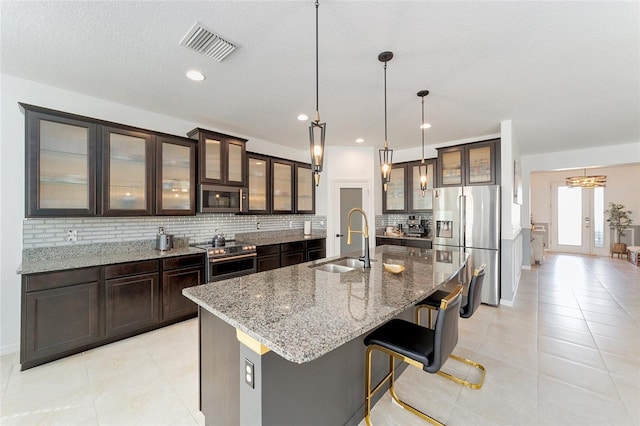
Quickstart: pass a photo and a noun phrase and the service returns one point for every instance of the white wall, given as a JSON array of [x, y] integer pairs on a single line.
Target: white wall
[[14, 90]]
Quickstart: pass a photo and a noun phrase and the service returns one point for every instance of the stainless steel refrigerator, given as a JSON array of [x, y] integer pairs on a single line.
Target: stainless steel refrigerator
[[469, 217]]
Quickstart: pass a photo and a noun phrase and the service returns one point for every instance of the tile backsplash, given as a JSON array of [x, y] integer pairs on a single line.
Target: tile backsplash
[[52, 232]]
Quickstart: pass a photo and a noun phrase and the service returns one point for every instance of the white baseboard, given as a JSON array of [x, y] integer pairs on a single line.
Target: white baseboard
[[9, 349], [506, 302]]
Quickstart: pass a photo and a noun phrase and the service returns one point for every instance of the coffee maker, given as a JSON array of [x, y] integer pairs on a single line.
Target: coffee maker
[[417, 227]]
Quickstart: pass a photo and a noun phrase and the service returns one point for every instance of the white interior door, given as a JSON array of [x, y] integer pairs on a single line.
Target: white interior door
[[577, 220]]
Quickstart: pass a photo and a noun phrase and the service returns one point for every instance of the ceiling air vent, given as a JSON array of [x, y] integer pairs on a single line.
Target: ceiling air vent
[[209, 44]]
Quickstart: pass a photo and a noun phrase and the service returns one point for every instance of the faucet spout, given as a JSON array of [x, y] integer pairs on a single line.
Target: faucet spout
[[366, 258]]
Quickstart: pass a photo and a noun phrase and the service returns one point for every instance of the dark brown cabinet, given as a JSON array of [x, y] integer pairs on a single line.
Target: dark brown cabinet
[[316, 249], [282, 186], [180, 273], [60, 313], [305, 194], [268, 257], [395, 199], [175, 176], [131, 296], [407, 242], [292, 253], [259, 183], [476, 163], [221, 157], [127, 172], [419, 202], [60, 164]]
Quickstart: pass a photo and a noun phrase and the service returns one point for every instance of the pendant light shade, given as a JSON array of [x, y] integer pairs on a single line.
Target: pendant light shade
[[422, 168], [317, 129], [587, 181], [386, 154]]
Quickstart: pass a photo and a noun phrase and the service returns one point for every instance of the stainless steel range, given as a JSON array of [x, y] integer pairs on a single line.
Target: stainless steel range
[[231, 260]]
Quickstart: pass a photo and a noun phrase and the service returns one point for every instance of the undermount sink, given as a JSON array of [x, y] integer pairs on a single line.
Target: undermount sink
[[339, 266]]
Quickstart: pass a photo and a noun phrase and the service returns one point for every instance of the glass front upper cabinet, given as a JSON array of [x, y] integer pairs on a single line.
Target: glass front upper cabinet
[[421, 202], [451, 167], [394, 199], [305, 191], [221, 157], [282, 172], [259, 183], [175, 176], [60, 165], [127, 172]]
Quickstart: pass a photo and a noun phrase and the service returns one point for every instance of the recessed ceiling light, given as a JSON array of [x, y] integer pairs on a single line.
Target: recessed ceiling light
[[359, 140], [425, 126], [303, 117], [195, 75]]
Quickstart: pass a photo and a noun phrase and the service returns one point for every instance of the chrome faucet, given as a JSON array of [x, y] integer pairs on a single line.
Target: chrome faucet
[[366, 258]]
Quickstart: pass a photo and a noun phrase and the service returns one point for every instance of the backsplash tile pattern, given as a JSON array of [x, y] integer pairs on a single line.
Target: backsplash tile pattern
[[52, 232]]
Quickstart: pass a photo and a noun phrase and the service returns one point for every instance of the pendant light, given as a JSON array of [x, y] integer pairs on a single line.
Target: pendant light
[[422, 168], [586, 181], [386, 154], [317, 129]]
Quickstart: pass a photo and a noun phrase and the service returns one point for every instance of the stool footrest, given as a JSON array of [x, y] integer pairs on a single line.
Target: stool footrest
[[476, 385]]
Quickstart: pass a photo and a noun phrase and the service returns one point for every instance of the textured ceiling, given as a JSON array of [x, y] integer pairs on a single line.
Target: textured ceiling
[[566, 73]]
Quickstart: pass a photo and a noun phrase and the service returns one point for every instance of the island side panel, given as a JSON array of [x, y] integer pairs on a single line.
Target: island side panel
[[219, 371], [326, 391]]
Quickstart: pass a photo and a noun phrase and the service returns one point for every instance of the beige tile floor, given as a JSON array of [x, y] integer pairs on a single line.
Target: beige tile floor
[[567, 353]]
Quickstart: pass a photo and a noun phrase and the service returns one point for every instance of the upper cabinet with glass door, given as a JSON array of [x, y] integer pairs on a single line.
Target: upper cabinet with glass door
[[282, 176], [175, 176], [419, 201], [127, 172], [60, 166], [394, 200], [476, 163], [221, 157], [305, 190], [259, 176]]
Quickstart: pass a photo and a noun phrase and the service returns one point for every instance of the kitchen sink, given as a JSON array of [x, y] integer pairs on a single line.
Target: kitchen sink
[[339, 266]]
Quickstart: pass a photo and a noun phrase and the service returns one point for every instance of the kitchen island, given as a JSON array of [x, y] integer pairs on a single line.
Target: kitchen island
[[286, 346]]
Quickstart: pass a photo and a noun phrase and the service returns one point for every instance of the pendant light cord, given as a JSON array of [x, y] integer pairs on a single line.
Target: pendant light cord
[[317, 79], [385, 104]]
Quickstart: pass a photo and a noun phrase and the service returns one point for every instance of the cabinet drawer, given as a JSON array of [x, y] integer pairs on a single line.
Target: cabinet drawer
[[315, 244], [264, 250], [124, 269], [267, 263], [294, 246], [291, 258], [37, 282], [315, 254], [182, 261]]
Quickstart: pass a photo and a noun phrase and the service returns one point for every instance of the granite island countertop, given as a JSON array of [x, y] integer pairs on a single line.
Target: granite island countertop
[[302, 313]]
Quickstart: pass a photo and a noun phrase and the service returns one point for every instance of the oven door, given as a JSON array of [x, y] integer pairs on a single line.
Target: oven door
[[229, 267]]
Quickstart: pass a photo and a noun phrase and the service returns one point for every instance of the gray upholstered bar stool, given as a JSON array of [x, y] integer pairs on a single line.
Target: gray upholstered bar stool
[[469, 305], [416, 345]]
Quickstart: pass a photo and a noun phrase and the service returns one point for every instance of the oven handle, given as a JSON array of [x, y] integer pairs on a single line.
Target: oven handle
[[223, 259]]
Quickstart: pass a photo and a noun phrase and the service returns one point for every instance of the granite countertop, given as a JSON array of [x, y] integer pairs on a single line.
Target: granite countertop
[[85, 255], [269, 239], [302, 313]]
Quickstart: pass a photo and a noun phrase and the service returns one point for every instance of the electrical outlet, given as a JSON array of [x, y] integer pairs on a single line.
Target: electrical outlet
[[290, 224], [257, 225], [248, 373], [72, 235]]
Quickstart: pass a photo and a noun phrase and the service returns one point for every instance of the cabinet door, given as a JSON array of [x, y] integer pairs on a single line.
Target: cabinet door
[[282, 174], [451, 170], [291, 258], [127, 172], [175, 176], [210, 159], [235, 152], [259, 178], [481, 161], [394, 200], [131, 303], [305, 190], [60, 166], [420, 202], [59, 320], [174, 304], [269, 262]]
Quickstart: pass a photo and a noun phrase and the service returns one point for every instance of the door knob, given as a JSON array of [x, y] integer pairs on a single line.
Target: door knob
[[339, 235]]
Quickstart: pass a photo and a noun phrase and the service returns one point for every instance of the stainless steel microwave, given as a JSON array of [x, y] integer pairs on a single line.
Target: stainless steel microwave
[[222, 199]]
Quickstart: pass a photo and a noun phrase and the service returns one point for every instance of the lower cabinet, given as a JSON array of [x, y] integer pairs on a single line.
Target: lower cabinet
[[66, 312], [179, 273], [275, 256], [292, 253], [316, 249], [131, 296], [60, 313], [408, 242], [268, 257]]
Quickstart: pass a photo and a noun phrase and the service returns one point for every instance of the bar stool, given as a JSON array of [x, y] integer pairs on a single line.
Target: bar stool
[[416, 345], [469, 305]]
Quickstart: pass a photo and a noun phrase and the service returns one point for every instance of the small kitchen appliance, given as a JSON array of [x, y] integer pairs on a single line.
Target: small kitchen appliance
[[164, 241], [416, 227]]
